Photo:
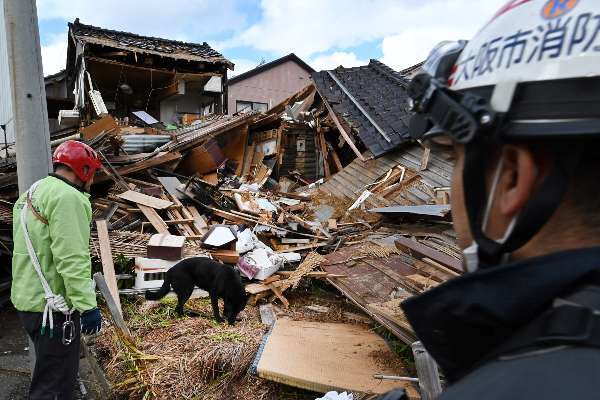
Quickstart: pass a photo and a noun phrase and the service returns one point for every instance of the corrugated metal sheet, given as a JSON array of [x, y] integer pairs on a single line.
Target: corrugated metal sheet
[[6, 113], [354, 179]]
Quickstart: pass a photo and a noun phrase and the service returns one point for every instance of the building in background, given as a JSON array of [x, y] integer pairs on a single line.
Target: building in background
[[167, 79], [269, 84]]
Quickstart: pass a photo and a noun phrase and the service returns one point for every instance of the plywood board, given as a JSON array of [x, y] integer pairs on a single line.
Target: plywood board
[[108, 267], [324, 356], [146, 200]]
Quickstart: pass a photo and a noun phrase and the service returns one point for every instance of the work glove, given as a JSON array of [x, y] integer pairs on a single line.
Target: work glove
[[91, 322]]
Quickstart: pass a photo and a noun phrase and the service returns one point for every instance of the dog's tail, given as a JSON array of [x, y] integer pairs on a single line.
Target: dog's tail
[[162, 292]]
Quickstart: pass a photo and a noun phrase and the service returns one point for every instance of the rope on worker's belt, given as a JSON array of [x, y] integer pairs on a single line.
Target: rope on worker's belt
[[54, 302]]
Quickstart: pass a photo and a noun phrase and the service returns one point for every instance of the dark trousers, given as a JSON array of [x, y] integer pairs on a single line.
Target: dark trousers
[[56, 365]]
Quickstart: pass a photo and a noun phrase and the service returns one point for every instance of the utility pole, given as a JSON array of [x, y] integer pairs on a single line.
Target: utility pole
[[32, 134]]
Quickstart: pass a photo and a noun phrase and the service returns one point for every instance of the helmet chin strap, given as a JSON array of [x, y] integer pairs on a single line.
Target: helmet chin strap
[[471, 253]]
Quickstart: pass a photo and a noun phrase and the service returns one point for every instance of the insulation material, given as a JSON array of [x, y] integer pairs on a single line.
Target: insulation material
[[324, 356]]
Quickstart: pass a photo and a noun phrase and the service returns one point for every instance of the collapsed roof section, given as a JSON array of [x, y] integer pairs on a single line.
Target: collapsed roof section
[[146, 44], [372, 99]]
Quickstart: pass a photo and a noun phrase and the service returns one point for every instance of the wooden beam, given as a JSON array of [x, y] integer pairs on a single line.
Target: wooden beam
[[323, 146], [411, 247], [199, 220], [155, 219], [343, 132], [149, 201], [336, 158], [161, 158], [155, 70], [107, 262]]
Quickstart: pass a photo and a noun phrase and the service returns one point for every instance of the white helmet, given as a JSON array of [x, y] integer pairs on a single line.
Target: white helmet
[[531, 73]]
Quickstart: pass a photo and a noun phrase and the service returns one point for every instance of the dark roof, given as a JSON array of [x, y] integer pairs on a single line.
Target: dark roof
[[57, 77], [146, 44], [410, 71], [269, 65], [381, 93]]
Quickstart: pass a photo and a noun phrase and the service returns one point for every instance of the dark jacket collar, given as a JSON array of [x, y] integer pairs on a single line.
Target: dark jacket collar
[[68, 182], [464, 319]]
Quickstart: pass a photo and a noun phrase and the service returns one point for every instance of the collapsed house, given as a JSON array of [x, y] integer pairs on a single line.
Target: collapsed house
[[326, 185]]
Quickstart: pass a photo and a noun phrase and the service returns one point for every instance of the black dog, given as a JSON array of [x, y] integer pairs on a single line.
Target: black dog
[[219, 280]]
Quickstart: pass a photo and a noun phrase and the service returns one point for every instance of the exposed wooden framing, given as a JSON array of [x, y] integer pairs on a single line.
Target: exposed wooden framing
[[343, 132], [107, 262], [323, 146], [183, 75], [155, 219], [336, 158]]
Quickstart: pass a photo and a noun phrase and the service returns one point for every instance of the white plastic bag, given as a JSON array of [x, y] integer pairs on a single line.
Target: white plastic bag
[[337, 396]]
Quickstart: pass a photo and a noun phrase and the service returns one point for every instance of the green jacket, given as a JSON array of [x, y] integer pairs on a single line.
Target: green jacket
[[62, 247]]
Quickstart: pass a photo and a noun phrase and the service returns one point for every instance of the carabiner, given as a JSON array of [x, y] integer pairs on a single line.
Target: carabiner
[[68, 331]]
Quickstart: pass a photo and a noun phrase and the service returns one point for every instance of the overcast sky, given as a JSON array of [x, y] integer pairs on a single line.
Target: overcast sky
[[325, 33]]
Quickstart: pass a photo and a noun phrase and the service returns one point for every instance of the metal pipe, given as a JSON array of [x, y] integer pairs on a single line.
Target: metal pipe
[[395, 378], [357, 104]]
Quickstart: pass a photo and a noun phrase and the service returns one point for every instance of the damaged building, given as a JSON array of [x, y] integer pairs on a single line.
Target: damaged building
[[169, 80], [322, 188]]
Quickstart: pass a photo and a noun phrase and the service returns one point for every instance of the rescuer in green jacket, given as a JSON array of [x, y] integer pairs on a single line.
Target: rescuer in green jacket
[[51, 269]]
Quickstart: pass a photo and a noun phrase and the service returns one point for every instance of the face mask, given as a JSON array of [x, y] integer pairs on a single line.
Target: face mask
[[471, 253]]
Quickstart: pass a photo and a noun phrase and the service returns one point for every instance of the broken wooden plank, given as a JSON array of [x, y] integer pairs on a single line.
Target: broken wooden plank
[[425, 159], [412, 247], [279, 295], [113, 309], [306, 247], [109, 212], [108, 266], [294, 241], [343, 132], [161, 158], [199, 220], [226, 256], [144, 199], [155, 219]]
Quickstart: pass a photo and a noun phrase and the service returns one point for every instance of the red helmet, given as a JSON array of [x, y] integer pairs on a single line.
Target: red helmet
[[80, 157]]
